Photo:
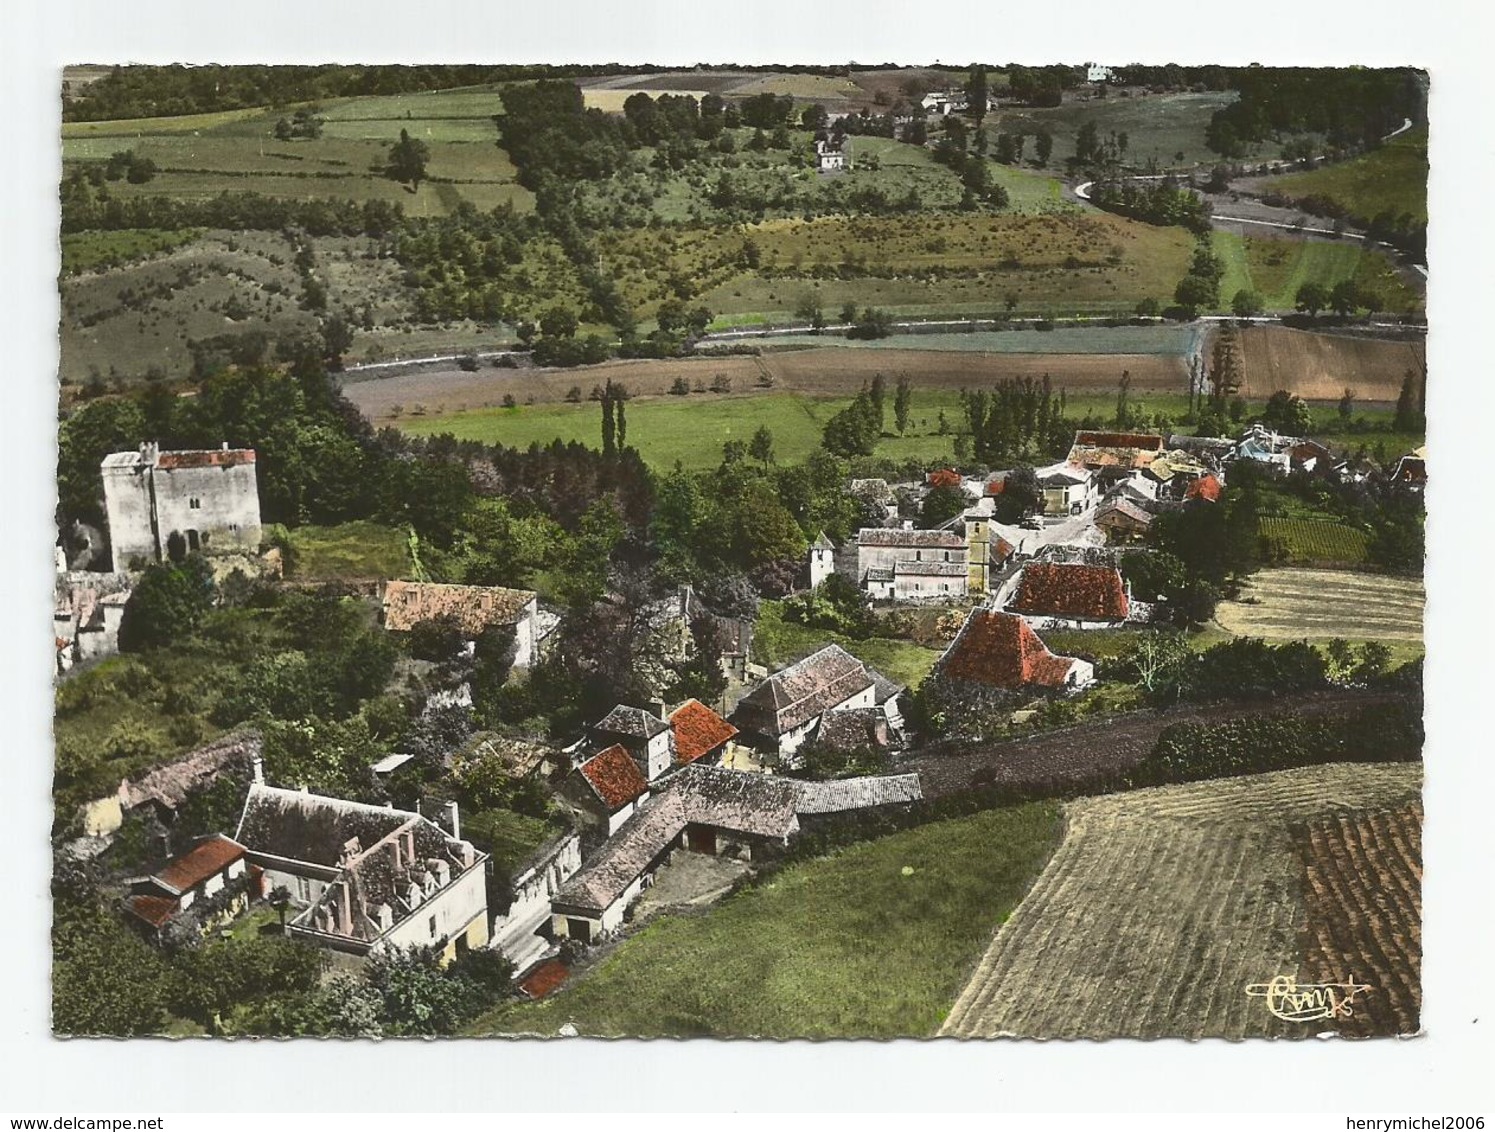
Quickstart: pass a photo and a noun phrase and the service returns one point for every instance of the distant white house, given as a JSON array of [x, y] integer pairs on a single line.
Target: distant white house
[[832, 154], [1098, 73]]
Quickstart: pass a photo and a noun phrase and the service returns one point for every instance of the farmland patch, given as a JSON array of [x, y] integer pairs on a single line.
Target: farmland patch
[[1318, 366], [1161, 906], [1318, 542], [1319, 605]]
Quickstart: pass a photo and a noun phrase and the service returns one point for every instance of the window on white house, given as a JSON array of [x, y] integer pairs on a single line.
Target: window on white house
[[433, 927]]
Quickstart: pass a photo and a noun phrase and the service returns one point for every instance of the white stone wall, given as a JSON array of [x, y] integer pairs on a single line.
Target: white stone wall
[[918, 587], [453, 908], [127, 504], [886, 556], [219, 502]]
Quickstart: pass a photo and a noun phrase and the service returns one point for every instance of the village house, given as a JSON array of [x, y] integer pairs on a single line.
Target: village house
[[163, 790], [517, 929], [1113, 456], [1068, 488], [188, 883], [705, 810], [1262, 445], [473, 609], [1000, 650], [783, 713], [191, 500], [87, 611], [1207, 488], [1097, 73], [1069, 595], [701, 735], [606, 788], [881, 549], [1411, 471], [929, 581], [648, 739], [832, 153], [366, 878], [1123, 522]]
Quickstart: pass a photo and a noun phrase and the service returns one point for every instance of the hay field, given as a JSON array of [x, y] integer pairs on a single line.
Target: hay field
[[1162, 905], [1394, 177], [1295, 604], [1318, 366]]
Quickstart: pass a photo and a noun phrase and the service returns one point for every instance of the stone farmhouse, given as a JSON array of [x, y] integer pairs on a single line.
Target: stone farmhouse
[[1123, 522], [784, 712], [606, 788], [87, 610], [1068, 595], [188, 882], [832, 153], [1114, 455], [912, 564], [705, 810], [701, 735], [648, 739], [474, 608], [365, 878], [1000, 650], [197, 500], [1068, 488]]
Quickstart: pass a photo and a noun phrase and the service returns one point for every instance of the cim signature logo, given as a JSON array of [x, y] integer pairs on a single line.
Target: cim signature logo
[[1307, 1002]]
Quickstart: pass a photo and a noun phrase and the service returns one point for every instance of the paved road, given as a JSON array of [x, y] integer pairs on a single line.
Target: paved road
[[1108, 746]]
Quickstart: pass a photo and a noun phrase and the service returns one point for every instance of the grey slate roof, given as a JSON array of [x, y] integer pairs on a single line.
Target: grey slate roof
[[633, 722], [930, 569], [310, 827], [797, 694], [888, 537]]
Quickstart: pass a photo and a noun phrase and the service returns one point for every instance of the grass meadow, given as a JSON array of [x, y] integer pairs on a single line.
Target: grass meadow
[[1158, 126], [1393, 177], [872, 941], [1276, 268]]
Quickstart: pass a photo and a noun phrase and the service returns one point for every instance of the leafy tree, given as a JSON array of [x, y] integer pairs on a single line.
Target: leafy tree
[[167, 604], [977, 93], [1043, 145], [1409, 416], [1288, 413], [902, 400], [1344, 298], [942, 504], [407, 160], [760, 448], [1022, 495], [854, 430], [1312, 298], [1194, 293], [1246, 304], [1162, 662]]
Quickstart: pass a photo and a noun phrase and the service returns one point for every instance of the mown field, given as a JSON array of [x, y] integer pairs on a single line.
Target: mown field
[[1320, 366], [1275, 269], [872, 941], [1320, 605], [1393, 177], [1158, 127], [1161, 906], [203, 155]]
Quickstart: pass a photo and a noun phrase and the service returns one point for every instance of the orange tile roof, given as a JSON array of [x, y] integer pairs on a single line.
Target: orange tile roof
[[944, 477], [210, 458], [154, 910], [1000, 649], [407, 604], [544, 978], [191, 869], [698, 730], [615, 777], [1052, 589], [1205, 487]]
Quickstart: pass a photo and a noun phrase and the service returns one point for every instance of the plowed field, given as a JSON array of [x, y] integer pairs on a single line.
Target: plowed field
[[1161, 906], [1323, 604], [1362, 887], [1317, 367]]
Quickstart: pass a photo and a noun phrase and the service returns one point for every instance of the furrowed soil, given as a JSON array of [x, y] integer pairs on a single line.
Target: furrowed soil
[[1319, 366], [1161, 906], [1298, 604], [1362, 889]]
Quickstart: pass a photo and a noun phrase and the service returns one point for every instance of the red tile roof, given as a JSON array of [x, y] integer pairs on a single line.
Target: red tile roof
[[1147, 440], [1205, 487], [698, 730], [154, 910], [206, 860], [211, 458], [615, 777], [1000, 649], [945, 477], [1091, 593], [544, 978]]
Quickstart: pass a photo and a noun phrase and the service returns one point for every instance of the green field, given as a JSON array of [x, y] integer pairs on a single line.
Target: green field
[[1305, 541], [873, 941], [1164, 339], [351, 552], [1276, 268], [1158, 126], [89, 251], [777, 642], [203, 155], [1393, 177]]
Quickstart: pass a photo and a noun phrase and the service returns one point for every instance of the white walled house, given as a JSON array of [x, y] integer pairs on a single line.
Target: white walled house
[[473, 608], [607, 787], [1067, 488], [781, 714], [881, 549], [647, 738], [535, 884], [366, 877], [184, 882], [208, 499], [822, 560]]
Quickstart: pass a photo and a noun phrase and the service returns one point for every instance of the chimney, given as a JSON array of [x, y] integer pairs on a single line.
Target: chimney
[[454, 820], [258, 763], [394, 849]]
